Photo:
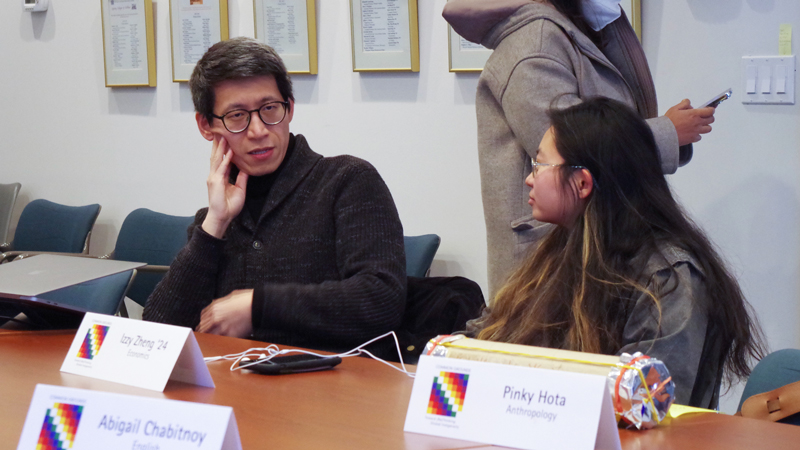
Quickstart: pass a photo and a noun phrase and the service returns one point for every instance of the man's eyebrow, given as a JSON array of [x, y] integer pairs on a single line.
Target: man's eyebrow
[[265, 99]]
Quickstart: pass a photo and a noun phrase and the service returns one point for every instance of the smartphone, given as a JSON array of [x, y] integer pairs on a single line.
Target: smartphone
[[300, 363], [714, 102]]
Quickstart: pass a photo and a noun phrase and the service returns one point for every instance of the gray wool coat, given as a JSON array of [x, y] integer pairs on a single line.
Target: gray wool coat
[[539, 55]]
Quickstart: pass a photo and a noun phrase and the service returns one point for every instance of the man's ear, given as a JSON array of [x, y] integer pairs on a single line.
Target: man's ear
[[204, 126], [584, 183]]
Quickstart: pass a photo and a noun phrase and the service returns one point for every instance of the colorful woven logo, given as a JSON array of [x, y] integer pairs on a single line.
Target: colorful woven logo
[[92, 342], [447, 394], [59, 428]]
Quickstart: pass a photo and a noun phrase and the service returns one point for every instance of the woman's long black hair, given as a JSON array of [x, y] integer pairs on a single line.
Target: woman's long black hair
[[571, 292]]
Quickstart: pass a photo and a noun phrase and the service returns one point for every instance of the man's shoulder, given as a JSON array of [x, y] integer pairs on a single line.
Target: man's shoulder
[[343, 167], [346, 162], [339, 169], [338, 162]]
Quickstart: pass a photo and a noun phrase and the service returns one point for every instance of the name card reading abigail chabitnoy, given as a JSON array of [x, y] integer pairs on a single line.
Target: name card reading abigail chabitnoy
[[61, 417], [520, 407], [136, 353]]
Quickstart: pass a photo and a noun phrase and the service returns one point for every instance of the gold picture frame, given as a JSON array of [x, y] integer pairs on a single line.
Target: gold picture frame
[[294, 35], [205, 22], [129, 50], [384, 35]]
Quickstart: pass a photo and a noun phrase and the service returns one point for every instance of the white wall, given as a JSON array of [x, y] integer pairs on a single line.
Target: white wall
[[742, 184], [69, 139]]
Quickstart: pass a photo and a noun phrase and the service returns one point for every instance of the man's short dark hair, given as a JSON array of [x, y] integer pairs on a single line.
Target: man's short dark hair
[[234, 59]]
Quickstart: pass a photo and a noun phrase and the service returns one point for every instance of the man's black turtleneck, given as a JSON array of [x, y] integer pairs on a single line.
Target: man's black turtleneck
[[258, 187]]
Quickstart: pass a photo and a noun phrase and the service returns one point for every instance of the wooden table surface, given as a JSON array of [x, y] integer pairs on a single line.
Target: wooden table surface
[[359, 405]]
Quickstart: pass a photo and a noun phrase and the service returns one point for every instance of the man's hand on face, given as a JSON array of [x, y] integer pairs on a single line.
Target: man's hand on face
[[225, 200], [229, 316]]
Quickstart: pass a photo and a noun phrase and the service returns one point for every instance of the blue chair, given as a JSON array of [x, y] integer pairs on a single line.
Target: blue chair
[[153, 238], [8, 197], [45, 226], [774, 371], [420, 251]]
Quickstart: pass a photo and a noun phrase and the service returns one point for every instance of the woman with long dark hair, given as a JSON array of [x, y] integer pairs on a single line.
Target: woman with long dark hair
[[624, 269]]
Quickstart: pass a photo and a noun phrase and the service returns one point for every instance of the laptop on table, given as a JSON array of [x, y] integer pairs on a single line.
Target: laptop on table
[[55, 291]]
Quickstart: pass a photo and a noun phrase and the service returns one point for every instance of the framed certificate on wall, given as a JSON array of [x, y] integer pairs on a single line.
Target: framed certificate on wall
[[385, 35], [195, 25], [290, 27], [633, 9], [128, 42]]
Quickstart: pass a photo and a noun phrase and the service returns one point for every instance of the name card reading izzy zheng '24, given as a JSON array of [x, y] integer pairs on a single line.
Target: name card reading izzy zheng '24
[[136, 353], [512, 406], [61, 417]]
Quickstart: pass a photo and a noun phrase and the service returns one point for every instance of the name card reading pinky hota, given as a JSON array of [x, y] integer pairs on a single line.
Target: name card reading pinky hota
[[136, 353], [542, 398], [61, 417], [513, 406]]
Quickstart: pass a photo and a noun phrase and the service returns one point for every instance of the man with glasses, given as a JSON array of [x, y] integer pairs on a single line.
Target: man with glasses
[[293, 248]]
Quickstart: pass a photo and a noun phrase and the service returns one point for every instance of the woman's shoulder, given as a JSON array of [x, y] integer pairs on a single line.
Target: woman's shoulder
[[675, 254], [669, 260], [666, 256]]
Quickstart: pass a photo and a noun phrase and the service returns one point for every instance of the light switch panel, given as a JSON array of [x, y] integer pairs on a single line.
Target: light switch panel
[[768, 80]]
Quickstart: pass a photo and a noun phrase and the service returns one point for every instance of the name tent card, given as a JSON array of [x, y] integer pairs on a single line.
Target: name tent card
[[136, 353], [61, 418], [511, 406]]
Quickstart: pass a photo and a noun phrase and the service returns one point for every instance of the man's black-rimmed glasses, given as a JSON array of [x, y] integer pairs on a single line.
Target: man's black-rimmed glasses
[[238, 120]]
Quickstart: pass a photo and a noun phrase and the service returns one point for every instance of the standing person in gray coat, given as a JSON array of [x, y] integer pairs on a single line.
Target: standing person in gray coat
[[563, 50]]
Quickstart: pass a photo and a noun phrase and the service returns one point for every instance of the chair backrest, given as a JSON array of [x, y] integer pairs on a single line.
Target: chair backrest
[[774, 371], [434, 306], [45, 226], [8, 197], [153, 238], [420, 251]]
